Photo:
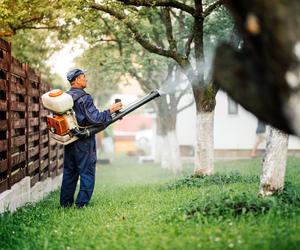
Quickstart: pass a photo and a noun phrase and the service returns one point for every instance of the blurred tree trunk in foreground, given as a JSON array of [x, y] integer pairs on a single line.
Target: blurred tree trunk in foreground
[[274, 163], [264, 76]]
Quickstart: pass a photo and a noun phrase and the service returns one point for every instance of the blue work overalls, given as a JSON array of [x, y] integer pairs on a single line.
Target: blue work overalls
[[80, 156]]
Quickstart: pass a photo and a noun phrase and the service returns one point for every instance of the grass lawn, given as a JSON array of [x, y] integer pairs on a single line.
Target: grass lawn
[[144, 207]]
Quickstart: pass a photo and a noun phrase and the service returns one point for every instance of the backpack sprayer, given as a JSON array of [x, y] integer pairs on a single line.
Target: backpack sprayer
[[62, 123]]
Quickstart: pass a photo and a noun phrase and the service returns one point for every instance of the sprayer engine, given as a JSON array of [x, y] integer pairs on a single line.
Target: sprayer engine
[[62, 122]]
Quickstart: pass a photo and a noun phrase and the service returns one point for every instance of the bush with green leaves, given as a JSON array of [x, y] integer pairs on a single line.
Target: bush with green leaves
[[216, 179], [230, 204]]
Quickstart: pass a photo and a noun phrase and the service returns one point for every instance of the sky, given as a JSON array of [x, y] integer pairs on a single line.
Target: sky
[[63, 60]]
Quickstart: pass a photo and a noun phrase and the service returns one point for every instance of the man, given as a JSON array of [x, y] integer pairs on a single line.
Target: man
[[80, 156], [260, 136]]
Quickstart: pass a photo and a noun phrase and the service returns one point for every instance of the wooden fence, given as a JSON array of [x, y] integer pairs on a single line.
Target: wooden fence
[[25, 148]]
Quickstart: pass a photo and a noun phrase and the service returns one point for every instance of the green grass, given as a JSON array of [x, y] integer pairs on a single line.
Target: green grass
[[144, 207]]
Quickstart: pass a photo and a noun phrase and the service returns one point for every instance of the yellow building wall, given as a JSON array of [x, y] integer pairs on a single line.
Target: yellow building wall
[[125, 146]]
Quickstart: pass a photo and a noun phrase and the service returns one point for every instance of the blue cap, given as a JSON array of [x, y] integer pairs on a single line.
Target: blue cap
[[71, 76]]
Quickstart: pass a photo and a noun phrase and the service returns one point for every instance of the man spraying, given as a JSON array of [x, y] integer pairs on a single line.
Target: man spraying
[[80, 156]]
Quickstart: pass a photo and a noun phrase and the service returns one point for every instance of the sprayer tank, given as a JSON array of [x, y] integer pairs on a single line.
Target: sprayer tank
[[57, 101]]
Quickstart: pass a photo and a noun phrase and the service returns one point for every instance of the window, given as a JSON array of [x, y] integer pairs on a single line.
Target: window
[[232, 106]]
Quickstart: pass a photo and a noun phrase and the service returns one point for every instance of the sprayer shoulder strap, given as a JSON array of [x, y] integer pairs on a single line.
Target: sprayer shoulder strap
[[77, 96]]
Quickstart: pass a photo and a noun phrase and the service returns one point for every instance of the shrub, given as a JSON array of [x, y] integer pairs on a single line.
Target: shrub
[[216, 179], [228, 203]]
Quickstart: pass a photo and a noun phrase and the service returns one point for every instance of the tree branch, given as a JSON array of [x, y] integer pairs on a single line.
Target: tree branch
[[162, 3], [169, 29], [174, 14], [212, 7], [158, 42], [33, 19], [39, 27], [7, 33], [198, 32], [185, 107], [107, 40], [117, 40], [12, 29], [187, 47], [180, 59], [182, 93], [146, 86]]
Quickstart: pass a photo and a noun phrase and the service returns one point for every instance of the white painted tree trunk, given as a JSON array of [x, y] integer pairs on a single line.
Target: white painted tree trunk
[[274, 163], [165, 153], [175, 154], [204, 153], [158, 149], [170, 153]]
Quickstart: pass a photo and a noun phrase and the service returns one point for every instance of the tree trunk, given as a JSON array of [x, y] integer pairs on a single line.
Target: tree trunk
[[158, 146], [204, 153], [274, 163], [159, 137], [175, 153], [166, 162], [168, 151]]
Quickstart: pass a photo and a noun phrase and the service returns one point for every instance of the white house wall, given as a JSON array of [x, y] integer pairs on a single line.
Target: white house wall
[[230, 131]]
